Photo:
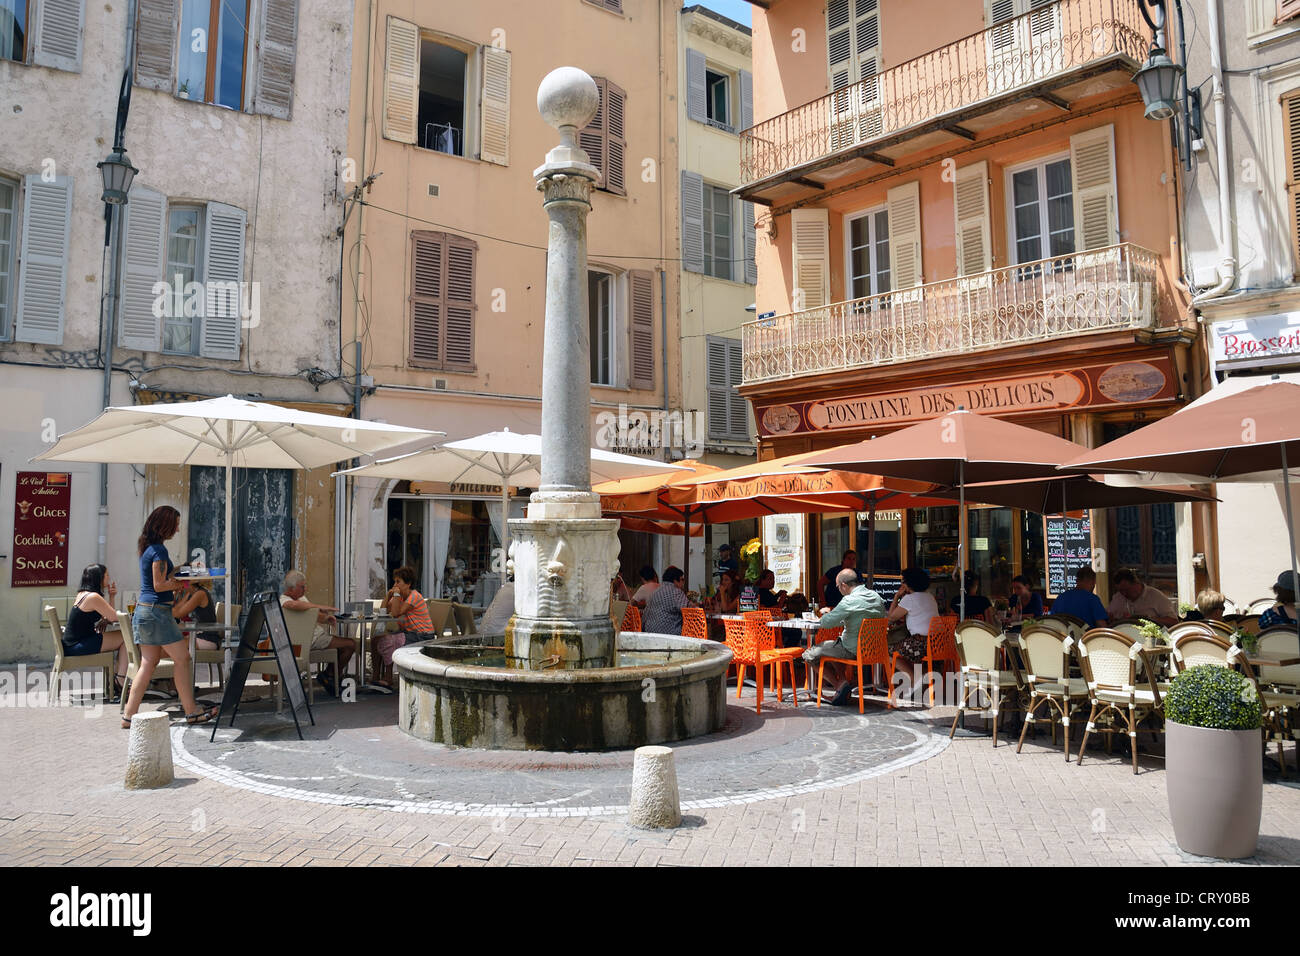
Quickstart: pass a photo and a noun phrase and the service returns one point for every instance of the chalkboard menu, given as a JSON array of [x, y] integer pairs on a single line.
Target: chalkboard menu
[[887, 585], [1068, 543]]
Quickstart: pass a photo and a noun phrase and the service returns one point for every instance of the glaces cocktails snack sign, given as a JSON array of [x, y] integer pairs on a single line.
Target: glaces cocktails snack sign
[[42, 505]]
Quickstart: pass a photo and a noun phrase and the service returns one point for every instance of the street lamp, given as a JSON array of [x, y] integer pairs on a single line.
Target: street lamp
[[118, 174], [1158, 82], [1163, 83]]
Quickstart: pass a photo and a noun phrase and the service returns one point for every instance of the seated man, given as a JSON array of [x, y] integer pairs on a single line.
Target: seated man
[[1135, 599], [663, 612], [295, 587], [857, 603], [1080, 601]]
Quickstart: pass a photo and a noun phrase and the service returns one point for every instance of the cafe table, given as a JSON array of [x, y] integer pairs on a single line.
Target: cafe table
[[1270, 660], [364, 627]]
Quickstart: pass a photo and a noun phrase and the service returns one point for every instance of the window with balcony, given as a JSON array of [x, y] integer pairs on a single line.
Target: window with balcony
[[853, 61], [1042, 210], [867, 237]]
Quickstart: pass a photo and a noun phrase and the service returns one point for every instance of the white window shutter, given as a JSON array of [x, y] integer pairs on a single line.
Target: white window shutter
[[156, 27], [751, 244], [839, 43], [697, 92], [401, 80], [276, 55], [746, 99], [971, 202], [59, 29], [692, 221], [43, 276], [143, 262], [494, 121], [738, 408], [1092, 162], [904, 205], [719, 387], [223, 272], [810, 229]]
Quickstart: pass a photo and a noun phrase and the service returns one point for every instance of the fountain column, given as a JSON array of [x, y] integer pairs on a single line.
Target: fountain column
[[564, 554]]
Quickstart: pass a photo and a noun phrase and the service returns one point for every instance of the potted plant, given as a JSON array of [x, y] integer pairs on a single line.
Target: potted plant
[[1214, 767], [183, 91], [1152, 633]]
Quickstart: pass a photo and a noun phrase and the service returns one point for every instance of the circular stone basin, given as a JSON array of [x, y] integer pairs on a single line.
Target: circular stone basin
[[461, 692]]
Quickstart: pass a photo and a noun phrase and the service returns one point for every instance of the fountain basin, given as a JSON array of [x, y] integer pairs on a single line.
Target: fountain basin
[[460, 692]]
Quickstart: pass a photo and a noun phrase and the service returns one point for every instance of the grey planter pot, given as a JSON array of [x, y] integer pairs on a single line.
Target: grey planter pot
[[1215, 781]]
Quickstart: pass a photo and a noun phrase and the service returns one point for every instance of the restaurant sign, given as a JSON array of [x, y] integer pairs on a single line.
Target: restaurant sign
[[1059, 390], [42, 506], [1253, 339]]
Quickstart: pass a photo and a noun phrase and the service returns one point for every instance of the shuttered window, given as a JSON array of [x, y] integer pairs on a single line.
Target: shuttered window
[[401, 80], [494, 123], [728, 409], [59, 29], [692, 221], [717, 232], [641, 292], [1287, 10], [442, 301], [43, 251], [853, 44], [1092, 161], [9, 193], [904, 206], [223, 272], [1291, 145], [276, 55], [971, 206], [613, 6], [750, 241], [697, 87], [810, 229], [604, 138]]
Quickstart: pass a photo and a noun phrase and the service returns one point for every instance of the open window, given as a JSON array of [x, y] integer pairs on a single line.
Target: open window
[[721, 98], [43, 32]]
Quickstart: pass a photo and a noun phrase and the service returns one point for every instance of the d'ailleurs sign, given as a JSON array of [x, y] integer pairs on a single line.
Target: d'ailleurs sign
[[1090, 387]]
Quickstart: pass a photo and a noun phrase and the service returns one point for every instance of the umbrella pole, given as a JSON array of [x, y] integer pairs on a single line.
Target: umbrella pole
[[686, 547], [505, 527], [871, 544], [1290, 518], [961, 539], [230, 567]]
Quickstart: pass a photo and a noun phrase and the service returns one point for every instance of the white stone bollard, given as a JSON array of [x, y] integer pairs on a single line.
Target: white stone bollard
[[149, 752], [655, 802]]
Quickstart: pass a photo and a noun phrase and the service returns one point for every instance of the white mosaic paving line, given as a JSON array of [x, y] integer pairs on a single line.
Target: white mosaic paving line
[[929, 745]]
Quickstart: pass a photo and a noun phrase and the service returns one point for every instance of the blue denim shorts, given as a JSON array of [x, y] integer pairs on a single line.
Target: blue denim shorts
[[155, 625]]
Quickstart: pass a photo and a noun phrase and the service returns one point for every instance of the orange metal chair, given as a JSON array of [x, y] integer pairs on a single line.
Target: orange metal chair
[[753, 644], [821, 637], [762, 614], [873, 649], [631, 619], [694, 623], [941, 646]]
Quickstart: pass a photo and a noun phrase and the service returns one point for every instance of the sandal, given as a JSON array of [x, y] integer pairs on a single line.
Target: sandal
[[202, 716], [126, 723]]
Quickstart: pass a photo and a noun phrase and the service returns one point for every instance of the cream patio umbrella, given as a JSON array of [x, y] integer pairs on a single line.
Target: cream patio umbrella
[[226, 432]]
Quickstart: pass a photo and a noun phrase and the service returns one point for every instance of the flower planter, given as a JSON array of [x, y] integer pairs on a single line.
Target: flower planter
[[1215, 781]]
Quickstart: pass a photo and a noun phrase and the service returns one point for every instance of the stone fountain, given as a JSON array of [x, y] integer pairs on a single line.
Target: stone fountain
[[560, 678]]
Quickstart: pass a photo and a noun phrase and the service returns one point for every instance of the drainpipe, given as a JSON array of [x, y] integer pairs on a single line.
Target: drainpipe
[[1227, 264]]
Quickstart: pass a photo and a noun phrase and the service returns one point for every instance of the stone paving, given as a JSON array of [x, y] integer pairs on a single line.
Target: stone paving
[[794, 786]]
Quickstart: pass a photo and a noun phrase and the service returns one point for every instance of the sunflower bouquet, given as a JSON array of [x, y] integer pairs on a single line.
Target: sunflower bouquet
[[752, 554]]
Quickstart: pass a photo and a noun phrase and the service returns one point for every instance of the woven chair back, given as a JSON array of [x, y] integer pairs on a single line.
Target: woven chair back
[[977, 645], [694, 623], [1046, 655], [1280, 642], [1108, 660]]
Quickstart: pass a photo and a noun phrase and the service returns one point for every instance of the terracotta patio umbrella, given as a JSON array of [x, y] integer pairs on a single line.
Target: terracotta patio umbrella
[[954, 449], [1252, 435], [1049, 496]]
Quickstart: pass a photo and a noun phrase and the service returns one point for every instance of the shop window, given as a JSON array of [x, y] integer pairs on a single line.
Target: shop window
[[1143, 537]]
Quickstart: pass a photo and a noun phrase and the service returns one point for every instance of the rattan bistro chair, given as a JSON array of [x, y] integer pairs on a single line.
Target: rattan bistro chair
[[103, 661], [1279, 692], [1074, 625], [1110, 662], [1047, 661], [979, 646]]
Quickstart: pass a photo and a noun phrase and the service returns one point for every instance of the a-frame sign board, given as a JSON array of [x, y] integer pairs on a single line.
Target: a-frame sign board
[[265, 620]]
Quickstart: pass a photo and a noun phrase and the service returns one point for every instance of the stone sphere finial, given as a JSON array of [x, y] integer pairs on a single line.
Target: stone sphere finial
[[567, 97]]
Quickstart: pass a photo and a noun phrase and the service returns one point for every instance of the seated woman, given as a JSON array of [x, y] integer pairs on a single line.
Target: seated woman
[[909, 615], [978, 607], [83, 632], [1209, 606], [1283, 613], [727, 600], [197, 604], [407, 605]]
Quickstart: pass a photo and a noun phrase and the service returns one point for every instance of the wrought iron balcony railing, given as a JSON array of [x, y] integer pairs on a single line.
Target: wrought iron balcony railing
[[1101, 290], [1062, 38]]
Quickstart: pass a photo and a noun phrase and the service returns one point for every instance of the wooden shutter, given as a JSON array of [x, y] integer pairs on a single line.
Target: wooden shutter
[[442, 300], [810, 232], [904, 206], [839, 42], [1287, 10], [59, 28], [866, 43], [592, 136], [276, 54], [156, 27], [750, 243], [692, 221], [738, 405], [746, 99], [853, 44], [718, 386], [697, 90], [613, 6], [459, 335], [1092, 162], [401, 80], [427, 257], [971, 203], [615, 139], [43, 274], [223, 273], [641, 283], [494, 121], [143, 260], [1291, 146]]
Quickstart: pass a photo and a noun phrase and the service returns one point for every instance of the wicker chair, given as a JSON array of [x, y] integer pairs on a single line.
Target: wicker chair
[[1188, 627], [873, 649], [979, 646], [1110, 660], [1076, 626], [694, 623], [103, 661], [631, 618], [1056, 623], [616, 611], [1279, 692], [1047, 661], [1260, 605], [1195, 649]]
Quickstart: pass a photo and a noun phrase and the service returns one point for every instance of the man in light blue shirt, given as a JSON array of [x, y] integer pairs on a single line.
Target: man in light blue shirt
[[857, 604], [1080, 601]]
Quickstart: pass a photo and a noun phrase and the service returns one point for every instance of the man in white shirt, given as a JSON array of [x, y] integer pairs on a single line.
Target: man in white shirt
[[1134, 599]]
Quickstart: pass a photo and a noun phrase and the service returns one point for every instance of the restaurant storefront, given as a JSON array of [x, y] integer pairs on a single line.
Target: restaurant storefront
[[1087, 391]]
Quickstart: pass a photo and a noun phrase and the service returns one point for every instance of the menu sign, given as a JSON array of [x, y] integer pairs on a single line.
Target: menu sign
[[1068, 543], [42, 505]]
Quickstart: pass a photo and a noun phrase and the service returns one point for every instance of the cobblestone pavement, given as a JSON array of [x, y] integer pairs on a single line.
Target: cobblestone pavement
[[794, 786]]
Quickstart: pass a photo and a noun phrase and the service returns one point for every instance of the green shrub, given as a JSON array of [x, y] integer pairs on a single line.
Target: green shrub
[[1215, 697]]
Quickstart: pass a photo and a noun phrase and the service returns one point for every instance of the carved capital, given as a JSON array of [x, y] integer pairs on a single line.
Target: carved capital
[[565, 188]]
